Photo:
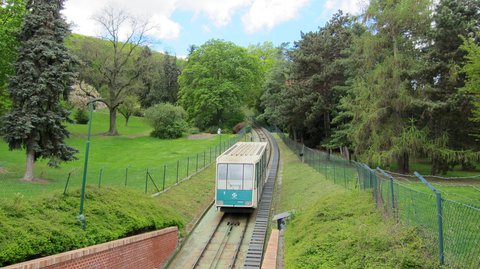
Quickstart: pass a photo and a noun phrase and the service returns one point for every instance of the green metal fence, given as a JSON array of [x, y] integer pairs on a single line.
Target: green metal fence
[[450, 227], [158, 178]]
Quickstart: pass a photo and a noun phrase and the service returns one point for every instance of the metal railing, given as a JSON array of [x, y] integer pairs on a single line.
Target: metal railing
[[159, 178]]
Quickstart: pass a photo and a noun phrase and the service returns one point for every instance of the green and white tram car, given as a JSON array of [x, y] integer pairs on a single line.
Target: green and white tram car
[[240, 176]]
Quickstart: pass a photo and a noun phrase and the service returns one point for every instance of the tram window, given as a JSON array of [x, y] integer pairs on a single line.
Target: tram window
[[234, 176], [222, 176], [248, 176]]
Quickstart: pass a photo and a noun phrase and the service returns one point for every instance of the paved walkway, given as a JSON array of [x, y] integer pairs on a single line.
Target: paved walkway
[[270, 257]]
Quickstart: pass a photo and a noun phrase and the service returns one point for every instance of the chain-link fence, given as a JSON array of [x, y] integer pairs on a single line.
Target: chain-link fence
[[159, 178], [450, 227]]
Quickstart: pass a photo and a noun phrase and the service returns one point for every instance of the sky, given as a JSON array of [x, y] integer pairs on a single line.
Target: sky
[[175, 25]]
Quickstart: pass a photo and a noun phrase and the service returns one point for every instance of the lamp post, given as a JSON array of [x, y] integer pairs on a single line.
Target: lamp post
[[219, 132], [80, 216]]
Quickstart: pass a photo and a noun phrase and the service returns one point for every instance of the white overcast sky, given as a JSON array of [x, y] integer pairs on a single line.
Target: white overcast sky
[[180, 23]]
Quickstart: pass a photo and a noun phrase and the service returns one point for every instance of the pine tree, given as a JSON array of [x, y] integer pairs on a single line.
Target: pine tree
[[44, 72], [449, 109], [384, 101]]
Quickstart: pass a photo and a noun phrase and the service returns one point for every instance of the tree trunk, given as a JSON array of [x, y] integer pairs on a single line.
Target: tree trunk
[[126, 121], [402, 162], [113, 122], [346, 153], [29, 175]]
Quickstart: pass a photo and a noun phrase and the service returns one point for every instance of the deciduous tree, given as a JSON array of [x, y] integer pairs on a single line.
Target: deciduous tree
[[119, 65], [219, 78], [12, 13]]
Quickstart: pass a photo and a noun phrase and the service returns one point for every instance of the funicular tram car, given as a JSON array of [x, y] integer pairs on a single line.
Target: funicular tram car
[[240, 176]]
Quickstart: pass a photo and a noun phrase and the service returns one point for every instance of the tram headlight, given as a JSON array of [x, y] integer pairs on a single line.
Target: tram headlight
[[219, 202]]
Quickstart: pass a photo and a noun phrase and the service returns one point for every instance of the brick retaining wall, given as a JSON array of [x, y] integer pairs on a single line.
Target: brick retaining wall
[[149, 250]]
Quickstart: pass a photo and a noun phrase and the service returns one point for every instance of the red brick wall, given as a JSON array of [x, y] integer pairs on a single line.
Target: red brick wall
[[149, 250]]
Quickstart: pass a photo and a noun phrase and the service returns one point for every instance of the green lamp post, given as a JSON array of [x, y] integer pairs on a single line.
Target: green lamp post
[[80, 216]]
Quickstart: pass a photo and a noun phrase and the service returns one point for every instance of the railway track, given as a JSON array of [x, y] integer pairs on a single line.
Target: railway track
[[228, 240], [224, 244], [254, 255]]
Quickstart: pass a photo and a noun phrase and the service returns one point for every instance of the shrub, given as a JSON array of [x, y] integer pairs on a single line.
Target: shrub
[[38, 227], [81, 116], [168, 121]]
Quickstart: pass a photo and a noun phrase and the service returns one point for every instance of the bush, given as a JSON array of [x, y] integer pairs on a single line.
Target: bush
[[38, 227], [81, 116], [168, 121]]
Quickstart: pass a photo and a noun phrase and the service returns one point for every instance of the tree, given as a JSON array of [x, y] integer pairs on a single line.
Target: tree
[[120, 66], [218, 80], [129, 107], [159, 79], [171, 71], [304, 98], [168, 121], [386, 58], [44, 72], [12, 13], [449, 109], [472, 72]]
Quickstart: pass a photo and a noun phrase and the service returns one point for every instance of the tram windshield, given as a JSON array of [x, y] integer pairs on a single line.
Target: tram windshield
[[235, 176]]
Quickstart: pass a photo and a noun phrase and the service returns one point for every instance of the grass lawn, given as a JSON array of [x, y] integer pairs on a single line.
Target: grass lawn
[[40, 226], [112, 160], [334, 227]]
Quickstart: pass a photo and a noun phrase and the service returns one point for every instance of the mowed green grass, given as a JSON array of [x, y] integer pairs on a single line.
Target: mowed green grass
[[333, 227], [113, 160]]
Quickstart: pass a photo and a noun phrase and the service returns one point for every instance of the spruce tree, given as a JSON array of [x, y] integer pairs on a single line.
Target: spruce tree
[[44, 72]]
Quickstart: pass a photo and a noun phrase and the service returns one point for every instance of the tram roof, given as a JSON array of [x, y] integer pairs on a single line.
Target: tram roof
[[243, 152]]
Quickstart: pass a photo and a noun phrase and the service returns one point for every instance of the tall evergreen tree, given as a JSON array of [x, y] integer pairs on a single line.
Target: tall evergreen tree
[[387, 57], [44, 72], [317, 70], [449, 109]]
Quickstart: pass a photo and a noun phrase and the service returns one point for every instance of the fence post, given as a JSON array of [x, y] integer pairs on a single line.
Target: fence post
[[210, 156], [66, 184], [164, 174], [100, 177], [326, 168], [146, 181], [392, 194], [178, 163], [372, 181], [334, 173], [126, 176], [196, 164], [188, 164], [438, 196], [204, 157]]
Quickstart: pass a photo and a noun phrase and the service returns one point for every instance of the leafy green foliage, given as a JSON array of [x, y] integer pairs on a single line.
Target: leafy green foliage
[[472, 72], [33, 228], [168, 121], [159, 79], [12, 13], [448, 110], [44, 73], [130, 106], [219, 78], [383, 87], [81, 116]]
